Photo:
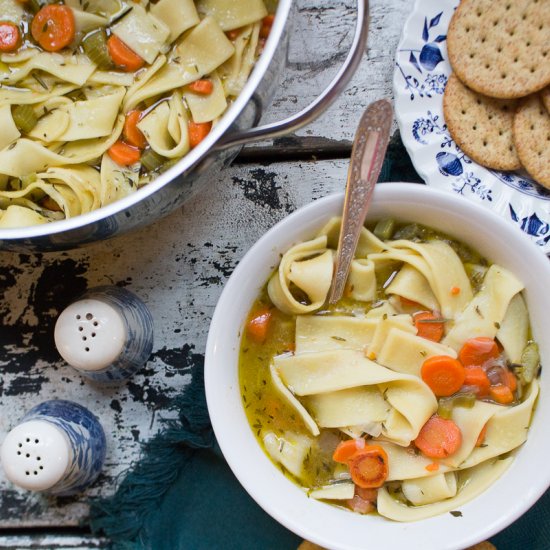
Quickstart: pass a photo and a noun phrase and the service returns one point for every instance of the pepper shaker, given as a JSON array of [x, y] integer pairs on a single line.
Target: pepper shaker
[[58, 448], [107, 334]]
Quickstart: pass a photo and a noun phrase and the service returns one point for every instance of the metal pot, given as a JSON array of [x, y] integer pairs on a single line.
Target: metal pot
[[237, 127]]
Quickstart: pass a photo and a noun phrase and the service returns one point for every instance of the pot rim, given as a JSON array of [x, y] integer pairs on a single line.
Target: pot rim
[[185, 163]]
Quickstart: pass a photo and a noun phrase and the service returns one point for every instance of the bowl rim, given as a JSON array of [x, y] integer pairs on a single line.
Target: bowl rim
[[281, 498]]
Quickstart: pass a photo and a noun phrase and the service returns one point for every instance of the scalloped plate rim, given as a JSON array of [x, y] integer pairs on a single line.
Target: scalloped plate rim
[[507, 198]]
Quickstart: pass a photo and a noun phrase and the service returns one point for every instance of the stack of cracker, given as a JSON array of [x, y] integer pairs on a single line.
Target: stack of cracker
[[497, 101]]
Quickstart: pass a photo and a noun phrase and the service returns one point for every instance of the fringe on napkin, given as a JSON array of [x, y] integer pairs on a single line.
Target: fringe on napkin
[[121, 516]]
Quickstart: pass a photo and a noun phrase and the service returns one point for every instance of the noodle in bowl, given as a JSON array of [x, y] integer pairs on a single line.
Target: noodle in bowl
[[333, 527]]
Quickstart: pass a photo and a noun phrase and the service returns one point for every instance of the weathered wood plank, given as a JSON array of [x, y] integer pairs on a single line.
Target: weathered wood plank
[[178, 267], [58, 541]]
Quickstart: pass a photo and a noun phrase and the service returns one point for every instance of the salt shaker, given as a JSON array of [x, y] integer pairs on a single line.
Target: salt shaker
[[58, 448], [107, 334]]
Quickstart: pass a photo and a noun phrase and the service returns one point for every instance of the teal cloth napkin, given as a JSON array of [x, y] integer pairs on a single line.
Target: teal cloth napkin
[[181, 495]]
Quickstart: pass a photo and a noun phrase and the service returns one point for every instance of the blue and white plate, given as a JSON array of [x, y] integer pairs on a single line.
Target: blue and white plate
[[420, 76]]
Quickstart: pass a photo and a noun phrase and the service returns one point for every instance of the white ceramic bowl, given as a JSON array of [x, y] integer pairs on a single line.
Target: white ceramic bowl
[[520, 486]]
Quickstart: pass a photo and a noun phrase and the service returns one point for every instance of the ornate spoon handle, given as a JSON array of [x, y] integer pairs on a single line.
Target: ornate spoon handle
[[367, 155]]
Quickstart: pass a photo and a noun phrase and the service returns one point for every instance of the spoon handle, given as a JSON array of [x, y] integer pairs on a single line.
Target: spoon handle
[[367, 156]]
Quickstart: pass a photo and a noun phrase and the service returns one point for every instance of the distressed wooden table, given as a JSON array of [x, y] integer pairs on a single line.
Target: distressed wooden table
[[178, 266]]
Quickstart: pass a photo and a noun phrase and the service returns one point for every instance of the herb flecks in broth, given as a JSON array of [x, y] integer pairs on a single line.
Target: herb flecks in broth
[[399, 402]]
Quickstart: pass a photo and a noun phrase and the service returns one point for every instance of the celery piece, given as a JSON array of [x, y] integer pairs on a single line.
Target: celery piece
[[384, 229]]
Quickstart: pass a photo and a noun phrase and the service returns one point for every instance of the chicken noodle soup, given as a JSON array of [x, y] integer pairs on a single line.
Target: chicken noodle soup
[[99, 96], [406, 397]]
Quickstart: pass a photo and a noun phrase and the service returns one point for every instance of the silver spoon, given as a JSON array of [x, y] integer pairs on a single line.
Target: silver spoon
[[367, 154]]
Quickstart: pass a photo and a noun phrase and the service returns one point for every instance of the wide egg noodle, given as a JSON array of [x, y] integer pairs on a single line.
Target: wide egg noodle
[[82, 181], [92, 118], [26, 156], [293, 402], [116, 181], [403, 351], [20, 216], [514, 329], [408, 462], [412, 285], [361, 283], [177, 15], [471, 483], [322, 373], [235, 71], [63, 195], [199, 53], [470, 422], [349, 407], [386, 323], [54, 122], [12, 11], [506, 430], [142, 32], [309, 266], [72, 68], [427, 490], [483, 315], [368, 242], [206, 108], [330, 332], [289, 449], [86, 22], [233, 15], [106, 8], [166, 128], [445, 273], [135, 93], [20, 96], [10, 132], [336, 491], [110, 78]]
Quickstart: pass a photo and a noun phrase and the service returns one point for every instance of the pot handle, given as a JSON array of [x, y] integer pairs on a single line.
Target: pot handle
[[323, 101]]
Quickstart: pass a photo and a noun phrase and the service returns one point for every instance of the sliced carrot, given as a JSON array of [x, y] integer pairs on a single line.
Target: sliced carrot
[[443, 374], [267, 23], [481, 437], [132, 134], [10, 36], [439, 438], [198, 131], [123, 57], [510, 380], [455, 290], [234, 33], [433, 467], [369, 467], [258, 325], [346, 449], [501, 394], [427, 325], [476, 351], [405, 302], [124, 154], [202, 87], [476, 376], [53, 27]]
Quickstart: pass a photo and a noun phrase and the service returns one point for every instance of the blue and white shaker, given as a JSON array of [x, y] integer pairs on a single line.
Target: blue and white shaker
[[58, 448], [107, 334]]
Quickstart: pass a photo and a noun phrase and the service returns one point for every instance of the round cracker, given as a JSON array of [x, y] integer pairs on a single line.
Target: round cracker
[[501, 48], [481, 126], [545, 96], [532, 138]]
